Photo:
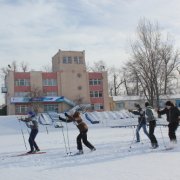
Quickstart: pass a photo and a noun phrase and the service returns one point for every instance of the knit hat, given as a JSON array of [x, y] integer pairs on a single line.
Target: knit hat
[[169, 103], [31, 114], [147, 104], [137, 105]]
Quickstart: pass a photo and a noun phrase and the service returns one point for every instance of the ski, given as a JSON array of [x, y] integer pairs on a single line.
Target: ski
[[168, 148], [26, 154], [76, 154]]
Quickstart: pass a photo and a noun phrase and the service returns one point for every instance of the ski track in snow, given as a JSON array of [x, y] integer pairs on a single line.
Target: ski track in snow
[[107, 150]]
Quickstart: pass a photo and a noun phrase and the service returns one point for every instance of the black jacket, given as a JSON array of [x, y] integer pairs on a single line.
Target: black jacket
[[172, 114]]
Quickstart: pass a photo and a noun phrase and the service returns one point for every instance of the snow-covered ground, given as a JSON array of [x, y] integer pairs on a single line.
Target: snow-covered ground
[[113, 159]]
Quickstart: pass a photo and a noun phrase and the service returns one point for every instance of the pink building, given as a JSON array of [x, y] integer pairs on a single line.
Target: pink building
[[68, 84]]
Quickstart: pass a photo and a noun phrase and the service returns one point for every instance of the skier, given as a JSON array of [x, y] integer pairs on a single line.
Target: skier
[[32, 123], [83, 129], [173, 115], [141, 121], [152, 124]]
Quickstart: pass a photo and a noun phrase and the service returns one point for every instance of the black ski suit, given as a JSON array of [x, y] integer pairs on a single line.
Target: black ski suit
[[173, 115]]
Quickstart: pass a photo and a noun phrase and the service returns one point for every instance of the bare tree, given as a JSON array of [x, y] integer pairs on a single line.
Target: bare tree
[[10, 67], [36, 94], [115, 77], [116, 80], [24, 66], [47, 68], [14, 66], [98, 66], [153, 61]]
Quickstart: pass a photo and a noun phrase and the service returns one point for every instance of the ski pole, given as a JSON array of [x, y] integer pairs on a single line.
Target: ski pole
[[134, 135], [64, 139], [162, 136], [67, 133], [62, 134], [22, 134]]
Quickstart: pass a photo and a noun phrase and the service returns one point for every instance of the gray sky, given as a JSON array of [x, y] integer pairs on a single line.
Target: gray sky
[[34, 30]]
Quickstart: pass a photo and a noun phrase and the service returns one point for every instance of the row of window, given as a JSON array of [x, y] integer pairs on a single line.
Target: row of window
[[96, 94], [51, 82], [27, 94], [26, 82], [23, 109], [97, 107], [95, 81], [71, 60]]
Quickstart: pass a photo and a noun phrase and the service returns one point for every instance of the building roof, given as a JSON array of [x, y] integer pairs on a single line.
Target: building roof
[[136, 98]]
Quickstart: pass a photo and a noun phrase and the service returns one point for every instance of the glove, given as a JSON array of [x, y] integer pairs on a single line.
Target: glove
[[66, 114]]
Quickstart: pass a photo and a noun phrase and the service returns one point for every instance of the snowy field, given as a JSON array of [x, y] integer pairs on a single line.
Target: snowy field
[[113, 159]]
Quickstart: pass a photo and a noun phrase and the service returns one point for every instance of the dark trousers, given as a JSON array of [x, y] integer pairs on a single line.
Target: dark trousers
[[32, 137], [172, 129], [152, 125], [83, 136]]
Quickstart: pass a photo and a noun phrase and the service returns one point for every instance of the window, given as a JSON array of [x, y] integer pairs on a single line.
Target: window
[[21, 109], [79, 75], [50, 107], [22, 82], [78, 60], [96, 94], [97, 106], [67, 60], [22, 94], [49, 82], [52, 93], [79, 87], [94, 82]]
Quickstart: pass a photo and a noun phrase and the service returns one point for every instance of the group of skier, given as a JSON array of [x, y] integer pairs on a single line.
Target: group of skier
[[148, 115], [32, 123], [144, 116]]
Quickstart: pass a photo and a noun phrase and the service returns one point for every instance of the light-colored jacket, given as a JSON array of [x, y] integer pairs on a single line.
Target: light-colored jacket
[[149, 114]]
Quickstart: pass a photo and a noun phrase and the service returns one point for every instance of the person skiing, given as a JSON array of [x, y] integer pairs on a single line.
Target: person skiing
[[83, 129], [32, 123], [141, 121], [152, 124], [173, 115]]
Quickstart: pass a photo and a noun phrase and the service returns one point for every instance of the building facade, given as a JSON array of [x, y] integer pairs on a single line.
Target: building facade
[[68, 84]]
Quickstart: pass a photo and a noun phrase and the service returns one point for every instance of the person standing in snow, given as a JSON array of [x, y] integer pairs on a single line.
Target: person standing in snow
[[32, 123], [141, 121], [152, 124], [83, 129], [173, 115]]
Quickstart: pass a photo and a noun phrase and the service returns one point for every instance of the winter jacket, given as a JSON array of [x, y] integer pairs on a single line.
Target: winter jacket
[[81, 125], [31, 123], [149, 114], [141, 114], [172, 114]]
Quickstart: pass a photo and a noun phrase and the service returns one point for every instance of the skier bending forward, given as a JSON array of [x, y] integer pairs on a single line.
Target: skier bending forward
[[83, 129]]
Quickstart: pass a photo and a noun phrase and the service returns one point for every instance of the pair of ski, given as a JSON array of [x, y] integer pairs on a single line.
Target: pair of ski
[[73, 154], [42, 152], [27, 154], [165, 149]]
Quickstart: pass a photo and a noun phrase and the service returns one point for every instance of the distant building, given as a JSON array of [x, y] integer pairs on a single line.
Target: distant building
[[127, 102], [68, 84]]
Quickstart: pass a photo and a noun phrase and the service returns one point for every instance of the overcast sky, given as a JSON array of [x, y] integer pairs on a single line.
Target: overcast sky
[[34, 30]]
